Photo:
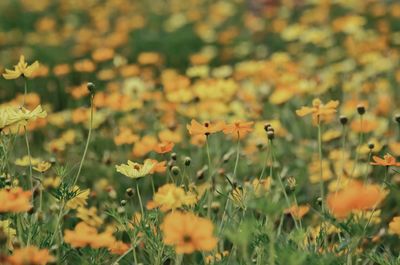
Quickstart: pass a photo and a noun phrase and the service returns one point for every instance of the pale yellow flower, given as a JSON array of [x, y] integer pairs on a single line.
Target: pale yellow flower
[[21, 69]]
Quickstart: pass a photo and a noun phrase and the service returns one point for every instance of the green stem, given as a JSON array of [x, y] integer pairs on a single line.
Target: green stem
[[211, 192], [140, 198], [87, 141], [237, 157], [321, 181]]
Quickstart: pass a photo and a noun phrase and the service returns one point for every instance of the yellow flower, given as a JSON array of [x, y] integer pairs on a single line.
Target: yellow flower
[[135, 170], [21, 68], [30, 255], [51, 182], [79, 200], [11, 117], [42, 167], [5, 227], [89, 216], [394, 226], [24, 161], [170, 197], [319, 110]]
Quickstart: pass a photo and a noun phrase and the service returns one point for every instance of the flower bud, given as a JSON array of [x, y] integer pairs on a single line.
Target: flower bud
[[397, 118], [187, 161], [123, 202], [361, 109], [91, 87], [343, 120], [175, 170], [129, 192]]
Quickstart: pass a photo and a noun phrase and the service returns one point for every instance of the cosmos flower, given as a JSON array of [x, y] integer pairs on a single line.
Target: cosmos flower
[[15, 200], [319, 111], [21, 69], [394, 226], [30, 255], [11, 117], [188, 232], [170, 197], [84, 235], [238, 128], [42, 166], [135, 170], [356, 196], [195, 128], [388, 160], [164, 147]]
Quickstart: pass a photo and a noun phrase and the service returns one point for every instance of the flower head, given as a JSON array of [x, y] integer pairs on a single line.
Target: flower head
[[15, 200], [170, 197], [319, 111], [188, 232], [238, 128], [11, 117], [164, 147], [394, 226], [205, 129], [84, 235], [135, 170], [22, 68], [30, 255], [388, 160], [42, 166]]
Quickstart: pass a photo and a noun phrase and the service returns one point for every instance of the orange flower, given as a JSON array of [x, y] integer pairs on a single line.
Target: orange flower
[[195, 128], [388, 160], [164, 147], [119, 248], [85, 235], [356, 196], [238, 128], [319, 110], [188, 232], [125, 136], [298, 211], [159, 167], [15, 200], [394, 226], [30, 255]]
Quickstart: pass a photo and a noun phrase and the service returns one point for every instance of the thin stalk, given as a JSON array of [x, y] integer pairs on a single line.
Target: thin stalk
[[210, 193], [360, 141], [237, 157], [140, 198], [321, 181], [87, 141]]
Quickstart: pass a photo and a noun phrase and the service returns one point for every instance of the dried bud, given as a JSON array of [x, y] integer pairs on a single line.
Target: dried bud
[[129, 192], [271, 135], [371, 146], [343, 120], [175, 170], [267, 126], [397, 118], [91, 87], [361, 109], [187, 161], [173, 156]]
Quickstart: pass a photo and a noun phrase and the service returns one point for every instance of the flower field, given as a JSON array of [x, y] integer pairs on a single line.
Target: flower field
[[193, 132]]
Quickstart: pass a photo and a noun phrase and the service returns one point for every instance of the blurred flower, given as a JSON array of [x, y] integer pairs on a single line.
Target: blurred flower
[[164, 147], [356, 196], [319, 111], [394, 226], [195, 128], [30, 255], [42, 167], [15, 200], [5, 228], [188, 233], [84, 235], [79, 200], [298, 211], [170, 197], [25, 161], [238, 128], [21, 68]]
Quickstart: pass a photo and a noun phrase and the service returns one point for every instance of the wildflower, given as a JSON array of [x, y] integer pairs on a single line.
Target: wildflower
[[51, 182], [84, 235], [164, 147], [30, 255], [188, 233], [388, 160], [5, 228], [195, 128], [118, 248], [356, 196], [25, 161], [238, 128], [42, 167], [79, 200], [172, 197], [21, 68], [135, 170], [125, 136], [298, 211], [13, 117], [261, 186], [319, 110], [15, 200], [394, 226], [89, 216]]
